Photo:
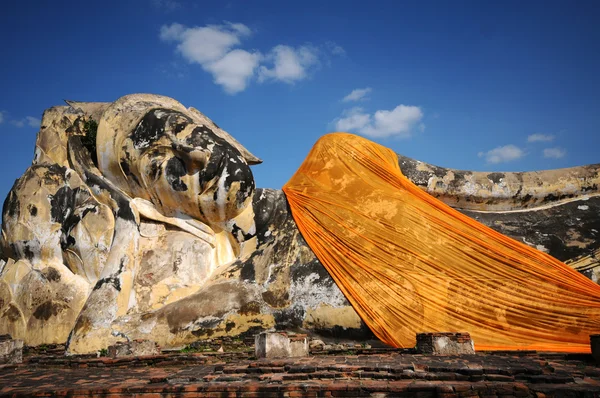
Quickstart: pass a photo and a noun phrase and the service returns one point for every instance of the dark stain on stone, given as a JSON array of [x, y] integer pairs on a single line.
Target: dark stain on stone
[[82, 326], [11, 207], [177, 147], [32, 210], [27, 252], [495, 177], [251, 332], [177, 263], [174, 171], [54, 174], [202, 332], [208, 302], [289, 318], [516, 195], [51, 274], [112, 280], [302, 271], [550, 198], [240, 235], [229, 326], [247, 272], [527, 198], [125, 167], [250, 308], [276, 300], [155, 170], [208, 323], [63, 206], [270, 208], [458, 180], [146, 316], [12, 313], [339, 332], [149, 129], [408, 167], [47, 310]]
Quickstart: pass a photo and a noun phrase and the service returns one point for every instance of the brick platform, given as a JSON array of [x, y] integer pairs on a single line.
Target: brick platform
[[377, 373]]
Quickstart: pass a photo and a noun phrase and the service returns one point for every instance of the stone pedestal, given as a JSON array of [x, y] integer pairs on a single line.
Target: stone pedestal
[[134, 348], [11, 351], [280, 345], [445, 343]]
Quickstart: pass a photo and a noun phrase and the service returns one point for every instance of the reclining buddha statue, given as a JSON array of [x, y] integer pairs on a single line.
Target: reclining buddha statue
[[154, 229]]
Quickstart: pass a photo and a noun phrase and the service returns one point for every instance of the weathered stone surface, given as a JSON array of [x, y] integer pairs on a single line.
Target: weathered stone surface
[[445, 344], [165, 238], [11, 350], [298, 345], [135, 348], [316, 345], [280, 345]]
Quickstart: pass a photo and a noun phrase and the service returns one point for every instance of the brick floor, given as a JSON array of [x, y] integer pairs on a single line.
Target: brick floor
[[374, 373]]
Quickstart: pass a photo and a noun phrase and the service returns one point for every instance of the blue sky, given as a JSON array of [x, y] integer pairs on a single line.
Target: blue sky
[[499, 86]]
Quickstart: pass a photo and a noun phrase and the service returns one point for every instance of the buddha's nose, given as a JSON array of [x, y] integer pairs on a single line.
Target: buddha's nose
[[194, 159]]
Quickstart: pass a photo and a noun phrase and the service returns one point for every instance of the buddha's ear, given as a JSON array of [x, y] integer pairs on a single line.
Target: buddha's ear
[[92, 110]]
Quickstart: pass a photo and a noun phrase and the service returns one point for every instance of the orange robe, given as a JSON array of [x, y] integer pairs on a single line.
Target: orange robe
[[409, 263]]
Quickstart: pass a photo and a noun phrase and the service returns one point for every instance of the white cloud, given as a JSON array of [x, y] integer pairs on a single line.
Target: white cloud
[[540, 138], [502, 154], [204, 44], [357, 94], [216, 48], [26, 121], [33, 121], [554, 153], [354, 119], [234, 70], [398, 122], [289, 65], [212, 47]]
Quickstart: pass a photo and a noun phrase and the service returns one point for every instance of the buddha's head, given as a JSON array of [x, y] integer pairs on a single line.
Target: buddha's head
[[154, 148]]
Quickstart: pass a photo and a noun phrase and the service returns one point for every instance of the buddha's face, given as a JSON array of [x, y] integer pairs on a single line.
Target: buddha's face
[[186, 169]]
